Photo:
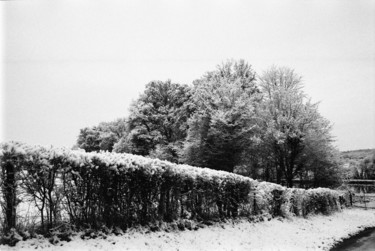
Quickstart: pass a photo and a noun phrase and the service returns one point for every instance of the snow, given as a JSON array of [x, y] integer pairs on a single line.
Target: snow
[[316, 232], [114, 161], [293, 233]]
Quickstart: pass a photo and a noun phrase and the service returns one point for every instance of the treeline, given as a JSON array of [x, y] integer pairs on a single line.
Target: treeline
[[111, 190], [232, 119]]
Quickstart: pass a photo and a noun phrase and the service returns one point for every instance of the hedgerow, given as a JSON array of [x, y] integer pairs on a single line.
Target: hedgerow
[[123, 190]]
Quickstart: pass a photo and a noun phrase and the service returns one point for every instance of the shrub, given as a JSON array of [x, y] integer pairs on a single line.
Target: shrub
[[121, 190]]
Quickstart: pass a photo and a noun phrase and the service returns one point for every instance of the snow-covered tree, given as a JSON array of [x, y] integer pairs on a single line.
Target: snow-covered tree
[[102, 137], [158, 120], [224, 121], [319, 163], [291, 123]]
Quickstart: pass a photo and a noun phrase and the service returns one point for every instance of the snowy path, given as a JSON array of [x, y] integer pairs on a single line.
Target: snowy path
[[315, 233]]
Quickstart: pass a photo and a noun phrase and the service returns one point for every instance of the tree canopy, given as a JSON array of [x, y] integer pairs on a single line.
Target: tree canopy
[[102, 137], [157, 120], [229, 119], [224, 120]]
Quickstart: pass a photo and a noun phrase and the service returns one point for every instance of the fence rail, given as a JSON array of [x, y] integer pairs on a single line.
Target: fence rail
[[364, 200], [359, 181]]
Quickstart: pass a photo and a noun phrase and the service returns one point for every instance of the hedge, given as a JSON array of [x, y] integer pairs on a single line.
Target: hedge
[[122, 190]]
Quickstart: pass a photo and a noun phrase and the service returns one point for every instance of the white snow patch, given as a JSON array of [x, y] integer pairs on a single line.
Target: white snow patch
[[317, 232]]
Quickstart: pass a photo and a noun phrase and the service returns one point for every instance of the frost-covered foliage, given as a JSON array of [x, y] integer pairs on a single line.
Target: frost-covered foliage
[[259, 125], [157, 120], [292, 125], [276, 200], [106, 136], [113, 189], [223, 125]]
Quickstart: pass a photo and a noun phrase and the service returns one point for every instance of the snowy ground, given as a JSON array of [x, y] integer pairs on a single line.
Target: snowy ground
[[315, 233]]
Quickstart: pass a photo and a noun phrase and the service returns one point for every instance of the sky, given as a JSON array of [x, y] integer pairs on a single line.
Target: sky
[[71, 64]]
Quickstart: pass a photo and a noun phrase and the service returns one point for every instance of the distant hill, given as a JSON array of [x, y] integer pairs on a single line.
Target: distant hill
[[357, 154], [352, 162]]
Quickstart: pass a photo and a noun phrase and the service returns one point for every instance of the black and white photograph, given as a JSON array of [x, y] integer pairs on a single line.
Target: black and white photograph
[[186, 125]]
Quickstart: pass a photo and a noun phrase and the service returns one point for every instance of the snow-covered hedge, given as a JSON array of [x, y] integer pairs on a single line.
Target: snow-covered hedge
[[94, 189], [278, 200]]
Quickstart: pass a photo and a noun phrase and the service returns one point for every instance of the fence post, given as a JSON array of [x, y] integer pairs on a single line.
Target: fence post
[[255, 203], [364, 199], [9, 193]]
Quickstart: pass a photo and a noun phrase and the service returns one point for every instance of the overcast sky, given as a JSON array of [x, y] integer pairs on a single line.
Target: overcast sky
[[72, 64]]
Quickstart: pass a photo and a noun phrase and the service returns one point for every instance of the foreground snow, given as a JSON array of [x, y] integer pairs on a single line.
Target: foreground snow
[[314, 233]]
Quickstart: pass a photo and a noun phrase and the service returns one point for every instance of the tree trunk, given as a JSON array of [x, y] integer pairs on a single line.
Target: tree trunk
[[278, 174], [289, 174], [289, 181]]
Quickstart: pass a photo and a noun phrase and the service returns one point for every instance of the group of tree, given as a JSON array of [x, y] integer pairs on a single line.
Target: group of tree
[[230, 119], [106, 136]]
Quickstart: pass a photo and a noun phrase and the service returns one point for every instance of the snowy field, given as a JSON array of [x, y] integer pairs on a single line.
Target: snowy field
[[314, 233]]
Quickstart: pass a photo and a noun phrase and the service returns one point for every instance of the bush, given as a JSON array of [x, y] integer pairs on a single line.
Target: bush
[[90, 190]]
